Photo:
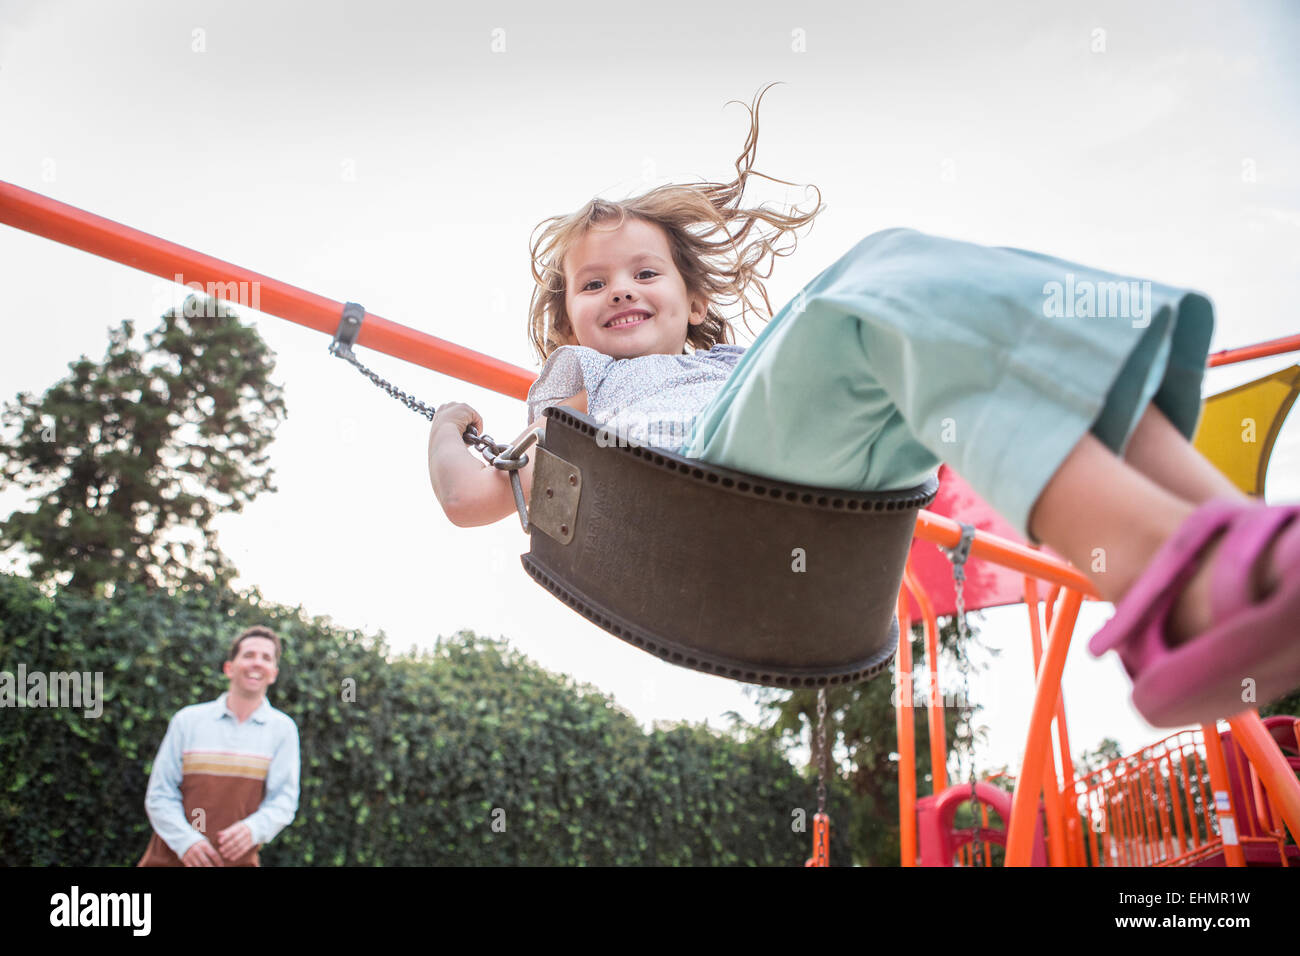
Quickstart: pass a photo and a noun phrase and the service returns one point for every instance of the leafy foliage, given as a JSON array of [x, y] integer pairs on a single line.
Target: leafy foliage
[[129, 459], [436, 748]]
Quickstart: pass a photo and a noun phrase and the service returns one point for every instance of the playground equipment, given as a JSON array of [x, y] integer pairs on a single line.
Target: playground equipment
[[1196, 798], [843, 654]]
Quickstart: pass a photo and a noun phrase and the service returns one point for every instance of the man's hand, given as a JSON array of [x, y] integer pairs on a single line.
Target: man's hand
[[235, 840], [202, 854]]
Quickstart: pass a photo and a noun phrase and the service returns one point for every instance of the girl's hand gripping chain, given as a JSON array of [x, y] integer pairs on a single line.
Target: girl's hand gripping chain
[[459, 415], [452, 465]]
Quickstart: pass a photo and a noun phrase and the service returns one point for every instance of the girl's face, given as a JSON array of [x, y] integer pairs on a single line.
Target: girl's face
[[629, 269]]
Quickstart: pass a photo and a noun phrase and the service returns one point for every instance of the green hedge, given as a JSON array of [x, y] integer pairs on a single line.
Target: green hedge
[[414, 772]]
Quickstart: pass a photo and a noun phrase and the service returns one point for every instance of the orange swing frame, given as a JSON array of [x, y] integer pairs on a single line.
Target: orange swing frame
[[70, 226]]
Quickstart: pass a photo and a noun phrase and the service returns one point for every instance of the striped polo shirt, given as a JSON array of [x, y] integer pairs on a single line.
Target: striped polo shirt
[[213, 771]]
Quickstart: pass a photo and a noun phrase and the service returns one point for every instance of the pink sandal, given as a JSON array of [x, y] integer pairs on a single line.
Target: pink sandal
[[1205, 678]]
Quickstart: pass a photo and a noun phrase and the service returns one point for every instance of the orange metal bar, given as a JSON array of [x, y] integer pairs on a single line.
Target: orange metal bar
[[1207, 802], [1128, 801], [1132, 828], [1106, 800], [1058, 828], [1050, 604], [1182, 835], [1224, 805], [1070, 834], [1138, 801], [1187, 799], [1262, 808], [1290, 343], [1024, 805], [1281, 783], [74, 227], [1056, 851], [1018, 557], [1152, 807], [906, 720], [1036, 654], [1164, 829], [934, 703]]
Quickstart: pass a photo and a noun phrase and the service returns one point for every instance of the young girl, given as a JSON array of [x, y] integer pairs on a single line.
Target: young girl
[[1066, 396]]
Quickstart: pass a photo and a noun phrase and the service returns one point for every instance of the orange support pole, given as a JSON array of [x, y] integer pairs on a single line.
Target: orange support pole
[[1290, 343], [1057, 853], [1052, 797], [1233, 854], [1280, 782], [1071, 834], [1024, 805], [906, 722], [102, 237], [934, 702]]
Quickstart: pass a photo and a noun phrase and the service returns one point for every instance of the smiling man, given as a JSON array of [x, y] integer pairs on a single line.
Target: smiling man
[[225, 780]]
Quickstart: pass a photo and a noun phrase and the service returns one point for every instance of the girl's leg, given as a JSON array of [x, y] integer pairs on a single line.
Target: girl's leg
[[1159, 450], [1109, 520]]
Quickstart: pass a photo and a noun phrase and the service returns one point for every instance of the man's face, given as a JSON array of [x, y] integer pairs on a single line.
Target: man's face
[[630, 268], [253, 670]]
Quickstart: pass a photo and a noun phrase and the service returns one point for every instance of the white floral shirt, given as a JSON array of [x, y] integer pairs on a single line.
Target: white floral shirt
[[648, 400]]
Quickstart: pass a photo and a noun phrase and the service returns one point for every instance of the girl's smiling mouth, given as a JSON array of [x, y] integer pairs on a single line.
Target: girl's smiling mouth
[[628, 319]]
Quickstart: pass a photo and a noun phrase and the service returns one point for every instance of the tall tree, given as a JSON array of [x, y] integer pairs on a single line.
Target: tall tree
[[128, 460]]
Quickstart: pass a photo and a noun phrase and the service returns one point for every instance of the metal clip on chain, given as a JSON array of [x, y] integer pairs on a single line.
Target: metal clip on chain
[[958, 556], [507, 458]]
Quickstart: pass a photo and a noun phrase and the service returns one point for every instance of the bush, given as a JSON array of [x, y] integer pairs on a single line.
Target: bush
[[465, 755]]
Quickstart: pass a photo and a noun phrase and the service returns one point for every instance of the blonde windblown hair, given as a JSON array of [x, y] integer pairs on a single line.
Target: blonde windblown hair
[[722, 270]]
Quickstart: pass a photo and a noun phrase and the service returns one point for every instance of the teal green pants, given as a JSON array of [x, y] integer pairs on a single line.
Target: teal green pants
[[912, 350]]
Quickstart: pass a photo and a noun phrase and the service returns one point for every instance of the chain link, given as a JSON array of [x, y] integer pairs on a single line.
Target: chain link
[[493, 452], [822, 772], [509, 458]]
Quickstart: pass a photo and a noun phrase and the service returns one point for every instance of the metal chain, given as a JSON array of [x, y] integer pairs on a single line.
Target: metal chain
[[822, 772], [491, 450], [958, 556], [506, 457]]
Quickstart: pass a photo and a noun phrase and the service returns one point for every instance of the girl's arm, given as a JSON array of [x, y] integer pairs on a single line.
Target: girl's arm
[[472, 492]]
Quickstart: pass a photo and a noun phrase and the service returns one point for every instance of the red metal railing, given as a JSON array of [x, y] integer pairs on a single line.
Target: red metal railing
[[1152, 808]]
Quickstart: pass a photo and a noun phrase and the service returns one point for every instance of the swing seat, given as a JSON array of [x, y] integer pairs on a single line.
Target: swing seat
[[749, 578]]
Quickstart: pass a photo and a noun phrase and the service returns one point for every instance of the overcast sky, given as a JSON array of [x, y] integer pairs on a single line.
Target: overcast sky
[[400, 155]]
